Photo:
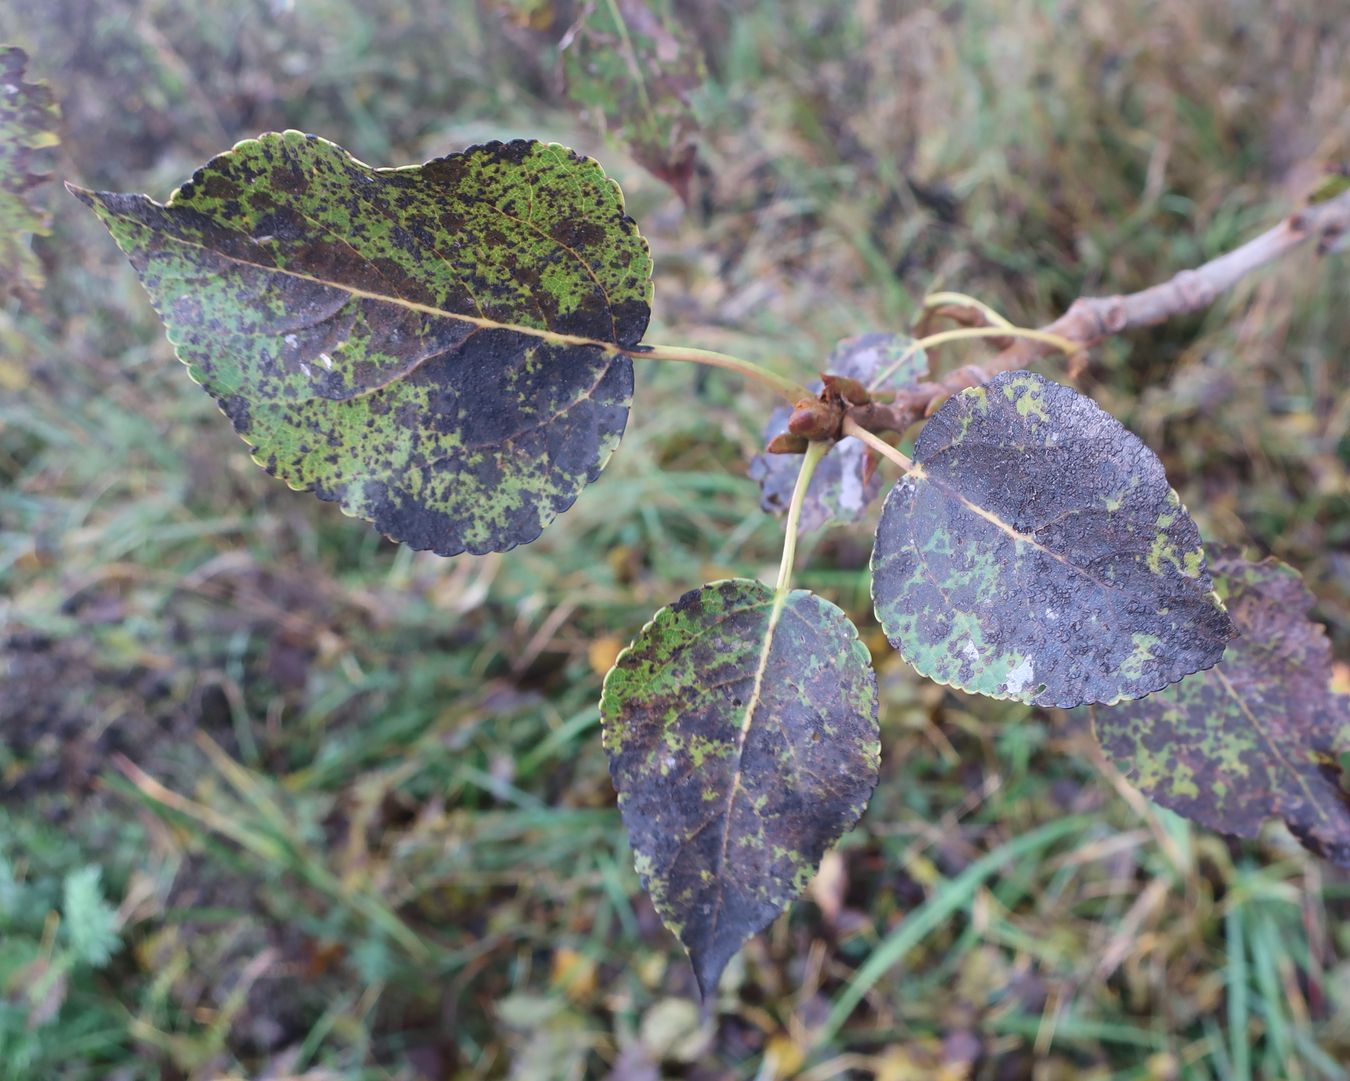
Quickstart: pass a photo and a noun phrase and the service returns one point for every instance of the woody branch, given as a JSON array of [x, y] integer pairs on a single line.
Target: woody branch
[[1091, 320]]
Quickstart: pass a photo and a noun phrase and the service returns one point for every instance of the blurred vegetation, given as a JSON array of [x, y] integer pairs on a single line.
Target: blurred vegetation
[[280, 800]]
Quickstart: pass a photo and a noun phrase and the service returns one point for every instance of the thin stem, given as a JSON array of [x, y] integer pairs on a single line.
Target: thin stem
[[937, 300], [1065, 345], [813, 455], [790, 389], [853, 428]]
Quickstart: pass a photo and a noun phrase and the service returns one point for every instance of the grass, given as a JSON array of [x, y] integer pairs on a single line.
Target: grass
[[348, 803]]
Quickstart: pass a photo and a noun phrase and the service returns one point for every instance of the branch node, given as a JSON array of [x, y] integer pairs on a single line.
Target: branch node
[[1195, 291], [1113, 316]]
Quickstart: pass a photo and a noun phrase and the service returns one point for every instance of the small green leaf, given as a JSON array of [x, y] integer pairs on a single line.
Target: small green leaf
[[89, 923], [1036, 552], [632, 64], [28, 123], [742, 735], [435, 348], [1259, 735], [838, 492]]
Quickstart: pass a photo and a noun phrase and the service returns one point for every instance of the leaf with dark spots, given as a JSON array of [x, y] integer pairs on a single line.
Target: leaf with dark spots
[[632, 65], [438, 348], [28, 125], [1259, 735], [741, 728], [1036, 552], [842, 486]]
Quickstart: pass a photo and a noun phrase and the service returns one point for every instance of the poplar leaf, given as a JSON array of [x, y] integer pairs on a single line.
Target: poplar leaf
[[437, 348], [633, 65], [1259, 735], [1036, 552], [742, 736]]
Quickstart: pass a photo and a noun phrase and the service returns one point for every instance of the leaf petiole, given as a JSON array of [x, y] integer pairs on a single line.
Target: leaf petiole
[[789, 388], [938, 300], [1064, 345], [810, 459], [853, 428], [942, 337]]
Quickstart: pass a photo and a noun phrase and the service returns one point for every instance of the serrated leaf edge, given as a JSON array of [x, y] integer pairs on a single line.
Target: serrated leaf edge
[[994, 519]]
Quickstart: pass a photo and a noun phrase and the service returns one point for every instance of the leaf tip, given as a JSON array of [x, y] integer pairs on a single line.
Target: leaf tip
[[708, 966]]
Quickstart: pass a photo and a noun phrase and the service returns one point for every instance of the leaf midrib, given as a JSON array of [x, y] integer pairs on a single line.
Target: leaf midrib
[[1271, 745], [553, 337], [780, 600], [918, 473]]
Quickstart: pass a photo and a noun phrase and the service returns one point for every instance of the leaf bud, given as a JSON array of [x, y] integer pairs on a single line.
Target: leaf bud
[[814, 419], [850, 390], [787, 443]]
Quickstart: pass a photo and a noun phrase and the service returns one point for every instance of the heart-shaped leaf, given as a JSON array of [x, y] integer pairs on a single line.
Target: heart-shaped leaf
[[438, 349], [741, 727], [1036, 552], [1257, 736], [842, 486], [28, 123]]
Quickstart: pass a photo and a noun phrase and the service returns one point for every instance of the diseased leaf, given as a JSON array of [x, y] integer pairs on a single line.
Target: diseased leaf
[[841, 488], [633, 66], [742, 738], [1257, 736], [1036, 552], [28, 124], [435, 348]]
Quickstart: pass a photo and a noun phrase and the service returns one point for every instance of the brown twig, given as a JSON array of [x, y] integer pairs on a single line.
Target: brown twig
[[1091, 320]]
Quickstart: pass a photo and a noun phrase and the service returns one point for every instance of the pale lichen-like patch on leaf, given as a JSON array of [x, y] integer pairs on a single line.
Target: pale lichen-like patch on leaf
[[435, 348], [1259, 735], [28, 126], [1036, 552], [742, 738], [633, 65], [841, 489]]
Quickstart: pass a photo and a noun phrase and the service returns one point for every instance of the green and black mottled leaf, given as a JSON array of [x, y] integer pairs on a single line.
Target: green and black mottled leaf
[[1036, 552], [1259, 735], [28, 130], [742, 737], [631, 64], [436, 348], [841, 487]]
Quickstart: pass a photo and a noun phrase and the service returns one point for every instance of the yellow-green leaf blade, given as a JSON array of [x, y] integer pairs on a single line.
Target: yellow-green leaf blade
[[1038, 553], [435, 347], [742, 736]]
